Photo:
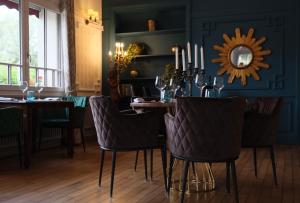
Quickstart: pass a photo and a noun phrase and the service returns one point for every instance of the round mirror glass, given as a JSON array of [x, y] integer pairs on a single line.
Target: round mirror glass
[[241, 56]]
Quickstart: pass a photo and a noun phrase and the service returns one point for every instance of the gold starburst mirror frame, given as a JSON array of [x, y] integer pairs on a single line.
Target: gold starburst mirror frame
[[241, 56]]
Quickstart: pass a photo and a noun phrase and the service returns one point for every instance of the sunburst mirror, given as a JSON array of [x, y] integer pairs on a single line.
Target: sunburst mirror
[[241, 56]]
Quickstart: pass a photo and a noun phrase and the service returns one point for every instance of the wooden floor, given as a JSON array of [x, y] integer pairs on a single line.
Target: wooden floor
[[55, 178]]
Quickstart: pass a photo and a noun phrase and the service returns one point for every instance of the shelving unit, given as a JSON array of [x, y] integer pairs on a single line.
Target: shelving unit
[[143, 33], [131, 26]]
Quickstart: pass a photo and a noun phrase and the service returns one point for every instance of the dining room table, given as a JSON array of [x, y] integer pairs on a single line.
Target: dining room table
[[29, 122], [201, 176]]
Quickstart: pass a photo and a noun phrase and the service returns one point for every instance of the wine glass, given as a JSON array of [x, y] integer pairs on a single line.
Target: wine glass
[[174, 85], [218, 84], [159, 83], [40, 88], [200, 82], [23, 87]]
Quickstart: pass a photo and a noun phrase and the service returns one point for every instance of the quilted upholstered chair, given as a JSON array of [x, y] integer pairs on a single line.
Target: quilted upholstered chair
[[261, 128], [59, 118], [205, 130], [11, 125], [162, 132], [117, 132]]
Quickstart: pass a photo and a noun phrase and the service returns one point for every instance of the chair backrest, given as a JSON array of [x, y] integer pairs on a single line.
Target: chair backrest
[[11, 121], [207, 129], [79, 101], [118, 131], [261, 125]]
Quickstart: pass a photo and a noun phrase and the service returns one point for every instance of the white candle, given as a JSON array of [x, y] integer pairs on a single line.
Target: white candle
[[176, 58], [196, 56], [110, 56], [189, 52], [183, 60], [202, 58]]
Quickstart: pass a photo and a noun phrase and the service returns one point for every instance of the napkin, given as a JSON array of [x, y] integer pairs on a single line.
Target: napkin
[[52, 99], [138, 100], [6, 99]]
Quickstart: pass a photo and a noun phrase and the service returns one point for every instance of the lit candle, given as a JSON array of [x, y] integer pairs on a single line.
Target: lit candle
[[110, 56], [189, 52], [196, 56], [176, 58], [202, 58], [183, 60]]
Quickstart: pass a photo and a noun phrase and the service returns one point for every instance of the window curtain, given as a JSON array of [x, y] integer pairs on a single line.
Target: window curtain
[[68, 46]]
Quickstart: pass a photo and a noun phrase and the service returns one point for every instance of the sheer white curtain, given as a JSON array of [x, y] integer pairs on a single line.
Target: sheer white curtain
[[68, 46]]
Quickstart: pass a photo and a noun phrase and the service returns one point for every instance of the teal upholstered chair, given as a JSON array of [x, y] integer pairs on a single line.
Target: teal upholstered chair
[[60, 118], [11, 125]]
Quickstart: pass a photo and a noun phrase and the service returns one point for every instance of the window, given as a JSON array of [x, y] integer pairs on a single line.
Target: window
[[44, 46]]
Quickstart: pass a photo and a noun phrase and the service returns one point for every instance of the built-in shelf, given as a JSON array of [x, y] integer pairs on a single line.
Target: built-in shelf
[[143, 33], [154, 56]]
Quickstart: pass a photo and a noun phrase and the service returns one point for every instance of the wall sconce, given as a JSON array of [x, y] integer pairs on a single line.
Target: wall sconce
[[92, 17]]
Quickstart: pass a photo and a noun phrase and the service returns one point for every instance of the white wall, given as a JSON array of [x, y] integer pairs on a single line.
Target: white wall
[[88, 48]]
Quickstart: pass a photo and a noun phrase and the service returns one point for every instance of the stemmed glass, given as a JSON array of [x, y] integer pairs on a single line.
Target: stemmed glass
[[218, 84], [40, 88], [200, 82], [159, 83], [174, 85], [23, 87]]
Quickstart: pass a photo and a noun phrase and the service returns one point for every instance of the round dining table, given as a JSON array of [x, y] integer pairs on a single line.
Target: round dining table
[[200, 176]]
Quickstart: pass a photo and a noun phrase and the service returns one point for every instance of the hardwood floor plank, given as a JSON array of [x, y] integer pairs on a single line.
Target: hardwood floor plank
[[55, 178]]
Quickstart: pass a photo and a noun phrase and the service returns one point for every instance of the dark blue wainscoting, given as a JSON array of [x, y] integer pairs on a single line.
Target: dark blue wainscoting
[[277, 20]]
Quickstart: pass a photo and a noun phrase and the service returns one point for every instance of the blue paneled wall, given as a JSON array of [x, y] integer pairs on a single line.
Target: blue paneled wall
[[278, 20]]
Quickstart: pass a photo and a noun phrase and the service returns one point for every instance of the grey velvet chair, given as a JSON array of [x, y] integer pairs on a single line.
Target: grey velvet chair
[[118, 131], [261, 128], [205, 130]]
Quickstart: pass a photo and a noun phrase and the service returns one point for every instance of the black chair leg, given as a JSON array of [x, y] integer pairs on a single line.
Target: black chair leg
[[164, 165], [136, 159], [151, 164], [145, 164], [20, 149], [255, 161], [101, 165], [228, 177], [113, 172], [234, 181], [273, 165], [170, 173], [82, 139], [185, 173]]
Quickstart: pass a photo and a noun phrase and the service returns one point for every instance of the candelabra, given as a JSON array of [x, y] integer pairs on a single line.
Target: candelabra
[[188, 76]]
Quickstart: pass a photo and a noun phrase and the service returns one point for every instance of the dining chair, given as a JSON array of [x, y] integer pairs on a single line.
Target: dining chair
[[205, 130], [261, 128], [117, 132], [12, 126], [162, 136], [59, 118]]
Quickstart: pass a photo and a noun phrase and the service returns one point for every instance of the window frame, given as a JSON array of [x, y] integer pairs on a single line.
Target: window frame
[[10, 89]]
